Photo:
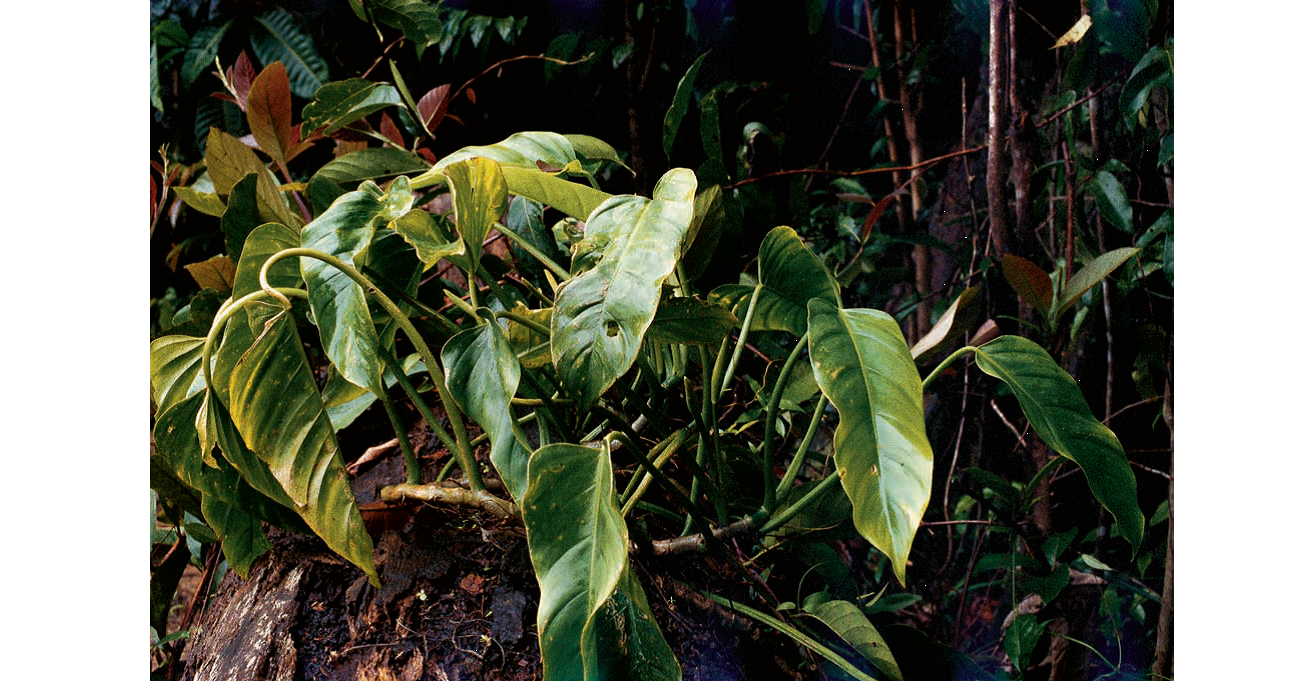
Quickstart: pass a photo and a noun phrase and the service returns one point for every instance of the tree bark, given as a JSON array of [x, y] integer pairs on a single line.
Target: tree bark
[[1163, 665], [997, 117]]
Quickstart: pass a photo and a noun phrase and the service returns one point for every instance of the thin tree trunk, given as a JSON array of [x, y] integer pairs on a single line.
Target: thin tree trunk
[[909, 106], [1163, 665], [997, 116], [1021, 135]]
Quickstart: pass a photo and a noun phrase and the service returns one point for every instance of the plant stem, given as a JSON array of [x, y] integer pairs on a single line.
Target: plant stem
[[954, 356], [800, 454], [452, 495], [663, 451], [769, 430], [464, 455], [729, 372], [562, 274], [395, 419], [792, 510]]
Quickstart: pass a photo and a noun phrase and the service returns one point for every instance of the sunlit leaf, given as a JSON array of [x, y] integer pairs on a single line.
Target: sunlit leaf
[[630, 248], [1059, 414], [483, 374], [343, 174], [479, 197], [215, 273], [421, 230], [175, 370], [862, 363], [1074, 34], [263, 242]]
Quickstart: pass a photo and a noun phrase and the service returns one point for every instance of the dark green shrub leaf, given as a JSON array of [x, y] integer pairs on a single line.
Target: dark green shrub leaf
[[1058, 412], [691, 321], [578, 545], [242, 535], [201, 51], [1155, 69], [240, 216], [1112, 200], [791, 275], [284, 42], [629, 250], [862, 363], [483, 374], [852, 626], [342, 174], [275, 405], [1021, 638], [344, 102], [630, 645], [679, 104], [420, 230], [263, 242]]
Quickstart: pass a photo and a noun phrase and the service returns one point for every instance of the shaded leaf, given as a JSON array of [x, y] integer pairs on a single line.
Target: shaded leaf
[[342, 174], [276, 407], [791, 276], [201, 51], [344, 102], [339, 305], [679, 104], [422, 22], [853, 627], [1020, 639], [229, 160], [1030, 282], [1112, 200], [1092, 274], [1153, 70], [241, 215], [269, 112], [630, 645], [1058, 412], [630, 248], [284, 42], [957, 320], [691, 321], [420, 229], [483, 375], [240, 75], [862, 364], [242, 535]]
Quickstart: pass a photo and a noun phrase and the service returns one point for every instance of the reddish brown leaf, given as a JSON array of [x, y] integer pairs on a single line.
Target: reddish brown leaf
[[240, 75], [155, 200], [269, 112], [433, 106], [428, 155], [1030, 282], [873, 215], [388, 129], [470, 94]]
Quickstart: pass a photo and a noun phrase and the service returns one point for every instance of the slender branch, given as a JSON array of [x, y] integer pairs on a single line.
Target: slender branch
[[1079, 102], [457, 496], [858, 173]]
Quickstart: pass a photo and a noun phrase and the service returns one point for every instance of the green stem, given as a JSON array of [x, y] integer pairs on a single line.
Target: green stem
[[769, 470], [526, 322], [954, 356], [739, 342], [464, 455], [659, 455], [403, 440], [801, 453], [562, 275], [793, 509], [232, 307]]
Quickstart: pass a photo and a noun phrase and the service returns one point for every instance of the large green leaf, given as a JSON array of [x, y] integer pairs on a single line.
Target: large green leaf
[[853, 627], [286, 43], [479, 197], [1054, 405], [483, 374], [339, 305], [240, 216], [691, 321], [201, 51], [421, 230], [531, 164], [630, 248], [791, 275], [263, 242], [274, 402], [421, 21], [175, 370], [679, 104], [862, 363], [344, 173], [1112, 200], [593, 621], [229, 161], [243, 537], [344, 102]]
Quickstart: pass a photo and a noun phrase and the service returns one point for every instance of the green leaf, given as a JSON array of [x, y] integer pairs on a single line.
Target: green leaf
[[201, 51], [339, 305], [958, 319], [691, 321], [205, 202], [263, 242], [229, 160], [530, 164], [590, 150], [269, 111], [630, 248], [578, 545], [863, 365], [240, 216], [853, 627], [342, 174], [630, 645], [175, 370], [242, 535], [420, 230], [479, 196], [276, 407], [1112, 200], [284, 42], [341, 103], [679, 104], [156, 103], [1054, 405], [422, 22], [791, 276], [1155, 69], [1092, 274], [1030, 282], [1020, 639], [483, 375]]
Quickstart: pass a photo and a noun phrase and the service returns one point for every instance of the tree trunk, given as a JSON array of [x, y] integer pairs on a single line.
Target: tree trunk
[[997, 117]]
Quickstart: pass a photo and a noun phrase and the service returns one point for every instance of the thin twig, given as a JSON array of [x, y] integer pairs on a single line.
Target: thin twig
[[1074, 105], [1021, 440], [857, 173]]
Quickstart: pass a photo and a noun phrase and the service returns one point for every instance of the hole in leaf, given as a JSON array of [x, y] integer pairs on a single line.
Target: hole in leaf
[[613, 329]]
